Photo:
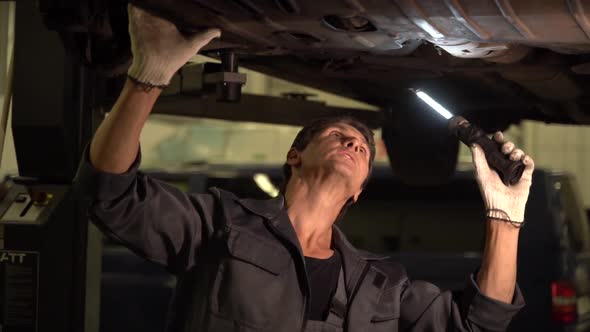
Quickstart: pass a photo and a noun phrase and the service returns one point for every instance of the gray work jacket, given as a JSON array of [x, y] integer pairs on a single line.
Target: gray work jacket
[[240, 266]]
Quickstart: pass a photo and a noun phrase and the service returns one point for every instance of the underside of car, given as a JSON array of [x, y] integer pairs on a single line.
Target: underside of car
[[495, 62]]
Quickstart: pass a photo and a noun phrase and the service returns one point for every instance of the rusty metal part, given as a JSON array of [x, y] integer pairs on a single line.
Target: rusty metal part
[[462, 16], [505, 7]]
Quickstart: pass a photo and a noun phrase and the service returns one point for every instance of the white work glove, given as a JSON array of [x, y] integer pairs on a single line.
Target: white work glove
[[503, 202], [159, 49]]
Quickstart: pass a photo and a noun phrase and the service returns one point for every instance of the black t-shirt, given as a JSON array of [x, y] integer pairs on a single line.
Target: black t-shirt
[[323, 280]]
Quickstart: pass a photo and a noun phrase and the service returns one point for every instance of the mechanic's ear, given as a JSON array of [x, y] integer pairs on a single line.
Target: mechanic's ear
[[293, 157]]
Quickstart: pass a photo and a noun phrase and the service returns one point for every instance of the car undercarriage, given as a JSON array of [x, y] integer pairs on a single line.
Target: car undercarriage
[[495, 62]]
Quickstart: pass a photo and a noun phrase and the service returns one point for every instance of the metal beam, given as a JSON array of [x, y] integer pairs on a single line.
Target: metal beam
[[261, 109]]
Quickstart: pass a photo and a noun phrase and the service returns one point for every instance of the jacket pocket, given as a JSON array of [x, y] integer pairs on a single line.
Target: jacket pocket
[[250, 281], [384, 324], [386, 316], [257, 251]]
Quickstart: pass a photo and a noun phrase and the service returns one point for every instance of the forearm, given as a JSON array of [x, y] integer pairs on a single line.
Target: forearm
[[116, 141], [497, 276]]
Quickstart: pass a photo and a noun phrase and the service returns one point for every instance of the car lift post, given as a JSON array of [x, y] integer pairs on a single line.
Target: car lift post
[[50, 254]]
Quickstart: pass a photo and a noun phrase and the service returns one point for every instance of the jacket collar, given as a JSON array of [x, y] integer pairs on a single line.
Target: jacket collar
[[271, 209], [267, 209], [343, 244]]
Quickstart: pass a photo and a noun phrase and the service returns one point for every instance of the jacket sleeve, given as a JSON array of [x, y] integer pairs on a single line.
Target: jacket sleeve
[[424, 307], [152, 218]]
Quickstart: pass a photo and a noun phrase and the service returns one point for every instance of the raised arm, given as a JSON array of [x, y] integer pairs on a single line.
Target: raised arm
[[491, 298], [154, 219], [505, 207], [159, 50], [116, 141]]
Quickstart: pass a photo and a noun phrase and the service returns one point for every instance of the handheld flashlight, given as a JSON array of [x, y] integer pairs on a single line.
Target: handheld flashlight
[[508, 170]]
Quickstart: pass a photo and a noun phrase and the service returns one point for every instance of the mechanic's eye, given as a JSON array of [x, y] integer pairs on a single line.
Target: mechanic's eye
[[335, 133], [363, 150]]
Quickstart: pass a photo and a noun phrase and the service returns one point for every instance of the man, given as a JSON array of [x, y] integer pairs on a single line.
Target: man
[[281, 264]]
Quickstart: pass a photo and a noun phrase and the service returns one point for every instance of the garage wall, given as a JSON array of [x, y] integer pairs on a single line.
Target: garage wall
[[561, 147]]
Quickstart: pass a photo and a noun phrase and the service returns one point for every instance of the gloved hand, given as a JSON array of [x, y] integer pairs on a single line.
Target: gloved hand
[[159, 49], [503, 202]]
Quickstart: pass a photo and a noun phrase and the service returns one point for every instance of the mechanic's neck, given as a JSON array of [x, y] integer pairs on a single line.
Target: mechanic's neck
[[313, 206]]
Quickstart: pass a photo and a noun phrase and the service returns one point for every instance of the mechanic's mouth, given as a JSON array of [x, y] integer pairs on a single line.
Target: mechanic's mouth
[[347, 156]]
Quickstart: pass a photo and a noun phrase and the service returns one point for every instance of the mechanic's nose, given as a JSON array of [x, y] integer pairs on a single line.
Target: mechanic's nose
[[352, 143]]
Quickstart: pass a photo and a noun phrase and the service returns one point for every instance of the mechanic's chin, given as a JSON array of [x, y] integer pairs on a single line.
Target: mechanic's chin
[[347, 172]]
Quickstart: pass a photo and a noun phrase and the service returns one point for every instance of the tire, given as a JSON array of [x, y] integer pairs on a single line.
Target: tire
[[420, 148]]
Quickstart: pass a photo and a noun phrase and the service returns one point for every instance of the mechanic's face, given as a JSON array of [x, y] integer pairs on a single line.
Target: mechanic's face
[[339, 149]]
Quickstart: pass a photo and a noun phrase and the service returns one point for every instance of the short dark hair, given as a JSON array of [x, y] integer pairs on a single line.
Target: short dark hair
[[310, 131]]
